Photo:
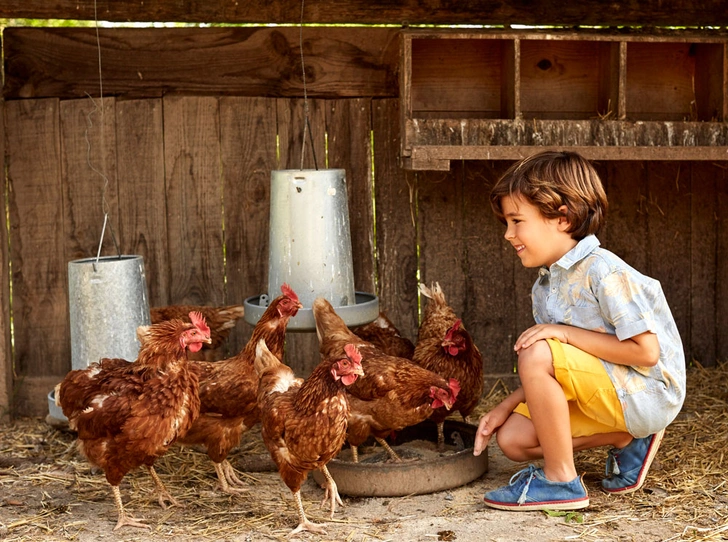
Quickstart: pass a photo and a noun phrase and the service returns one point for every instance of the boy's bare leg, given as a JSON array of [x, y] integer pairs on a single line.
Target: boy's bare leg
[[518, 441], [549, 411]]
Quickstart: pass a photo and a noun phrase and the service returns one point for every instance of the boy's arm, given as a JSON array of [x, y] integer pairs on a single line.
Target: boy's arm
[[491, 421], [642, 350]]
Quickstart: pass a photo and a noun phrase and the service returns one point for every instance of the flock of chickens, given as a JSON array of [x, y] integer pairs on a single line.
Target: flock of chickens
[[370, 382]]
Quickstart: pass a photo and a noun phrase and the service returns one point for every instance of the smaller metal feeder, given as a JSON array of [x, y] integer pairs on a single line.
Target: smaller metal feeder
[[310, 248], [108, 300], [413, 476]]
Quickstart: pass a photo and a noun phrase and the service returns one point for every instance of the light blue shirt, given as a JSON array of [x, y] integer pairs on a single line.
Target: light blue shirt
[[592, 288]]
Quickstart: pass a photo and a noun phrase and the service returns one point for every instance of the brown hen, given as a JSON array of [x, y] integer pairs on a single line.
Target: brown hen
[[221, 321], [445, 347], [229, 391], [128, 414], [383, 334], [394, 393], [304, 422]]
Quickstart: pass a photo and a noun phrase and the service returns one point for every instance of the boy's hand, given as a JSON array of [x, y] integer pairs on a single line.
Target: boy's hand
[[542, 332], [489, 424]]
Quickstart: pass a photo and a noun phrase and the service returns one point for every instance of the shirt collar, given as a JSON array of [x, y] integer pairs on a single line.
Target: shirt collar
[[582, 249]]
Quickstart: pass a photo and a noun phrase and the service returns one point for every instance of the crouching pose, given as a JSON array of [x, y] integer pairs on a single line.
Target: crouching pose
[[604, 364]]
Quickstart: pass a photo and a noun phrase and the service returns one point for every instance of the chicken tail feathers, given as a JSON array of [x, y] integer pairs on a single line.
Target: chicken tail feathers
[[264, 358], [434, 292]]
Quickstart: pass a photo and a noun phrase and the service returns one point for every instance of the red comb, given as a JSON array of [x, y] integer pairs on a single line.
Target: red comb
[[287, 291], [453, 329], [198, 320], [352, 352]]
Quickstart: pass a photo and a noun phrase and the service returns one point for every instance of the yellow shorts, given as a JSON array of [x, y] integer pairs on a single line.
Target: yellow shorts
[[593, 403]]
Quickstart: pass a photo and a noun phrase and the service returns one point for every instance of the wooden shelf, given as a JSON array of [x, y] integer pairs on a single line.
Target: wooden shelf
[[505, 95]]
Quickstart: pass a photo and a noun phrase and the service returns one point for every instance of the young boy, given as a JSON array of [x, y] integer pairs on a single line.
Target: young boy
[[604, 364]]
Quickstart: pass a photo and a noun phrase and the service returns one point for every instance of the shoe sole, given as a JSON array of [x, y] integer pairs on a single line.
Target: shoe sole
[[528, 507], [651, 453]]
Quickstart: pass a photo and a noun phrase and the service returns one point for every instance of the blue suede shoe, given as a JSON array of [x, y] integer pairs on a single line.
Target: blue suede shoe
[[627, 467], [529, 489]]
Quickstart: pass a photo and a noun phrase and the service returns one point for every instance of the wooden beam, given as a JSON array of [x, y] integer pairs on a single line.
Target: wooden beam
[[6, 351], [488, 12], [64, 62]]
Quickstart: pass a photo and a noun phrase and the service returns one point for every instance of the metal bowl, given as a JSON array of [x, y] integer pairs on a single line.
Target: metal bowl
[[413, 477]]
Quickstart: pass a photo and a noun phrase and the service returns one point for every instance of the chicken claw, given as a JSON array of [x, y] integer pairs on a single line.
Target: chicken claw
[[164, 495], [125, 520], [226, 475], [331, 492], [304, 524]]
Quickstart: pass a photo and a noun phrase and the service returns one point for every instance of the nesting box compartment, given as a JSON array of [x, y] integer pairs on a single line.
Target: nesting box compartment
[[504, 95]]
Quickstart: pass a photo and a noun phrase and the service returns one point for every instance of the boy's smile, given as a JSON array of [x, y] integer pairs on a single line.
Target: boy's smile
[[539, 241]]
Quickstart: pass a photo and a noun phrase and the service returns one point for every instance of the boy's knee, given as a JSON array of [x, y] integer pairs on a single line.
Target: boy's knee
[[510, 446], [536, 356]]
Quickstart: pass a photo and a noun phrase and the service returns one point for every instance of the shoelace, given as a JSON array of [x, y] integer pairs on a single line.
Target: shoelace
[[612, 463], [529, 471]]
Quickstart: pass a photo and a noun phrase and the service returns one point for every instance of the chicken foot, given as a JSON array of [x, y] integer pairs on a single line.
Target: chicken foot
[[331, 491], [226, 475], [392, 454], [304, 524], [164, 495], [125, 520]]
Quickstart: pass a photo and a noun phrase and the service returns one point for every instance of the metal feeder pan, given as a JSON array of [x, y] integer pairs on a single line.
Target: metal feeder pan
[[417, 477], [364, 311]]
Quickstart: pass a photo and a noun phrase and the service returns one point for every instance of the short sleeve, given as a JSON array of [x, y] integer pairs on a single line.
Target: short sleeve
[[627, 303]]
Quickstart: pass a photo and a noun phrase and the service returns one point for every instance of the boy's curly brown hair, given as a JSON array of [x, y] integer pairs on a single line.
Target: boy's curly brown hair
[[551, 179]]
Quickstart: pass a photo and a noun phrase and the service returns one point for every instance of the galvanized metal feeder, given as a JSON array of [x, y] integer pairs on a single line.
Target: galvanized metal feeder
[[310, 248], [421, 471], [108, 300]]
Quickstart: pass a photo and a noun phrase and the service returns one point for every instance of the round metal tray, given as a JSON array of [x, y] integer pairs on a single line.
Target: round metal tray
[[413, 476], [364, 311]]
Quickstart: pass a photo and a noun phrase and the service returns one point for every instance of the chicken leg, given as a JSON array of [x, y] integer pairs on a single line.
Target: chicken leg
[[331, 491], [125, 520], [303, 523], [226, 475], [164, 495], [392, 454]]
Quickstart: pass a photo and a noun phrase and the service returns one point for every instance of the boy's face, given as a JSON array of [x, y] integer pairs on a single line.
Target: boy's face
[[539, 241]]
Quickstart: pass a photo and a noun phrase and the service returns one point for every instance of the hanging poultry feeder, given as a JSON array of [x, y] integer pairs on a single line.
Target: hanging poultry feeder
[[107, 299], [310, 249]]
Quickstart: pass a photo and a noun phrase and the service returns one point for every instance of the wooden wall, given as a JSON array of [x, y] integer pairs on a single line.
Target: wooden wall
[[188, 189]]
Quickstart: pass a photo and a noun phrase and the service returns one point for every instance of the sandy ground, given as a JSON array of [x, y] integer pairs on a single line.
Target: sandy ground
[[49, 492]]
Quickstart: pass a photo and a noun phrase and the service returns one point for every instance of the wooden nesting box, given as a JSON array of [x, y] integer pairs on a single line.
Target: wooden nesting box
[[498, 95]]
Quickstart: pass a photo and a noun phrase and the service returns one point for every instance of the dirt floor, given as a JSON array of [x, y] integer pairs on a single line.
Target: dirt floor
[[49, 492]]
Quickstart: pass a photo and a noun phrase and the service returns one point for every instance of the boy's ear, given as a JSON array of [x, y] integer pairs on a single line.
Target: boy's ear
[[564, 220]]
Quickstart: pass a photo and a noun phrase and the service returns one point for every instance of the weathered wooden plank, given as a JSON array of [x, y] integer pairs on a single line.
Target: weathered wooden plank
[[40, 300], [395, 196], [248, 147], [703, 261], [589, 12], [678, 136], [721, 271], [141, 178], [627, 232], [64, 62], [88, 170], [669, 238], [440, 233], [194, 199], [6, 351], [489, 301], [348, 127]]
